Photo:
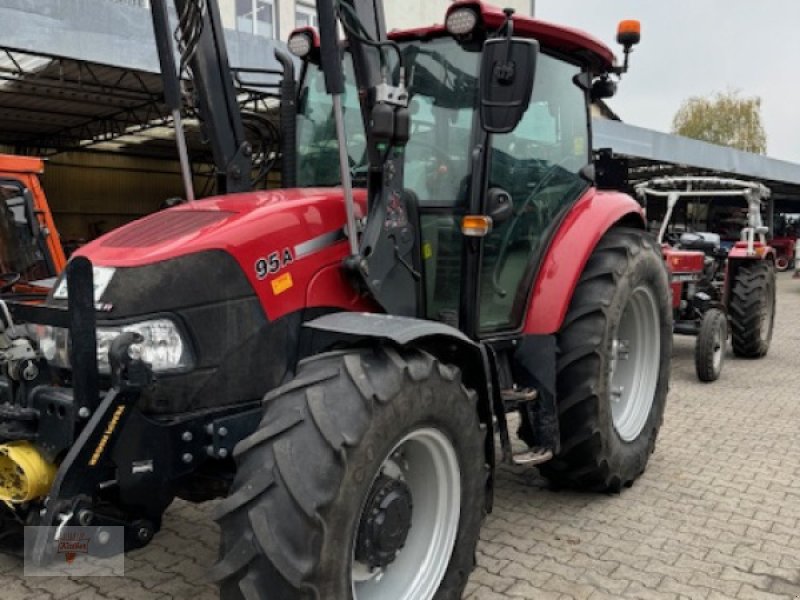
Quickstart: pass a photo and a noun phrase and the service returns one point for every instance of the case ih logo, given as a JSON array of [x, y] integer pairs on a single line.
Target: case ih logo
[[72, 544]]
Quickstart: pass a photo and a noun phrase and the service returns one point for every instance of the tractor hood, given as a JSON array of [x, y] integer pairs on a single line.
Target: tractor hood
[[283, 245], [237, 223]]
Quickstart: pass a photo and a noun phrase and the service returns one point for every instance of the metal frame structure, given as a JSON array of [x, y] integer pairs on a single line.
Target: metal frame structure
[[51, 104], [711, 187], [649, 154]]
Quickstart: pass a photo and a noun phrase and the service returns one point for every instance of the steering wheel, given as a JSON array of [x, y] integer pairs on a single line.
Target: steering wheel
[[9, 280], [524, 209]]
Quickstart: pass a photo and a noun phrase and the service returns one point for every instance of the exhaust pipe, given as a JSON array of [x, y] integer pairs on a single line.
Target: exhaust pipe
[[24, 473]]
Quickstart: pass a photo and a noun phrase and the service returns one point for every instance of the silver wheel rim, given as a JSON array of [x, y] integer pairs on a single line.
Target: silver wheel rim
[[634, 365], [426, 461]]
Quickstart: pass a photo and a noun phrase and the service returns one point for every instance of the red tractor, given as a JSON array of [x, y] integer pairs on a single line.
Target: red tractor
[[785, 249], [716, 283], [334, 361]]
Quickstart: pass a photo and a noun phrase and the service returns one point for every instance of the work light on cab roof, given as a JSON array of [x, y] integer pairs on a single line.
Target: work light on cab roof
[[461, 22], [301, 42]]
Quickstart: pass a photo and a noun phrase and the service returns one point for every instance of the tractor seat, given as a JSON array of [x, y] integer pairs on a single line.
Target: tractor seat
[[700, 240]]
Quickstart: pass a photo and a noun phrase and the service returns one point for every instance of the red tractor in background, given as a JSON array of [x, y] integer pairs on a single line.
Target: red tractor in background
[[333, 361], [717, 284], [785, 249]]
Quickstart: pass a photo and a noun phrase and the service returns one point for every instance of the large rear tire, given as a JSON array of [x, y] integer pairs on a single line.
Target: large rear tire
[[752, 308], [368, 462], [613, 365]]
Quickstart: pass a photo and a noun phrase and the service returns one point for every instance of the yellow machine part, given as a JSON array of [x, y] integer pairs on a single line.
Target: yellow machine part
[[24, 473]]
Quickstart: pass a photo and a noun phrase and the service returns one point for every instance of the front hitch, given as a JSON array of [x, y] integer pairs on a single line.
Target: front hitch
[[88, 464]]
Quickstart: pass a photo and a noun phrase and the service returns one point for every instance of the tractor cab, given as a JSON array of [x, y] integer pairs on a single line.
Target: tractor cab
[[31, 256], [534, 172]]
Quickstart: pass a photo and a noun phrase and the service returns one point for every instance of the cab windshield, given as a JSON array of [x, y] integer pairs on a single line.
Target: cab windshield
[[443, 86]]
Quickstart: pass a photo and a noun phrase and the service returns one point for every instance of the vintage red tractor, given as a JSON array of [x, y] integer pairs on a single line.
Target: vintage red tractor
[[716, 286], [785, 249]]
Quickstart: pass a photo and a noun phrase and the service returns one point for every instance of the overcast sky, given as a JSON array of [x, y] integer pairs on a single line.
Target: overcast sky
[[696, 47]]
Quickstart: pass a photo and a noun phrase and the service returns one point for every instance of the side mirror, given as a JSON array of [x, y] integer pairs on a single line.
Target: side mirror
[[508, 69], [499, 205]]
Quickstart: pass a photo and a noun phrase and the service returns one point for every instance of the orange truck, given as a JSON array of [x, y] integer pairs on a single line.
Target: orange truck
[[31, 255]]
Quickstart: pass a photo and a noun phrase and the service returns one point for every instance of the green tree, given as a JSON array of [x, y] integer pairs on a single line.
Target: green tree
[[727, 119]]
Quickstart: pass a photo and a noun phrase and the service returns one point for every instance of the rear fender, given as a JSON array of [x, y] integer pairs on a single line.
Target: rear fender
[[588, 220], [444, 342]]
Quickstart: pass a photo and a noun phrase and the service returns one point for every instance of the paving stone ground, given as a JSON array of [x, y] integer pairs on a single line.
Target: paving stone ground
[[716, 515]]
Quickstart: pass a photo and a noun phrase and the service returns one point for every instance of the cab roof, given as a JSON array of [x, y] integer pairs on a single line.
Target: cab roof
[[554, 37], [10, 163]]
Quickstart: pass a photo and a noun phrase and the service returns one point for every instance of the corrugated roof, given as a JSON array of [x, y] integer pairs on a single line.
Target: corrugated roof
[[653, 153]]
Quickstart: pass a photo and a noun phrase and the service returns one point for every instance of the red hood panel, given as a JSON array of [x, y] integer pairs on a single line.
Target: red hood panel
[[229, 223], [281, 240], [162, 227]]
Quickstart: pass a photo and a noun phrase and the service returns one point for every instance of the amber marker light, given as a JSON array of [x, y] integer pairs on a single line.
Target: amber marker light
[[629, 32], [476, 225]]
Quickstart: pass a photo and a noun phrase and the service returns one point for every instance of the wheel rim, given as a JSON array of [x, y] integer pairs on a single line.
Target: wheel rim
[[425, 461], [635, 363], [781, 263]]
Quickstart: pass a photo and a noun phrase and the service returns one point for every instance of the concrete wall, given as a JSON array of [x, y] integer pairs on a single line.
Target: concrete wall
[[111, 32], [93, 193], [402, 14]]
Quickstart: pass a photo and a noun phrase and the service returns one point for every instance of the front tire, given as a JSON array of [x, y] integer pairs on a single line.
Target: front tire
[[613, 365], [369, 461], [709, 349], [752, 308]]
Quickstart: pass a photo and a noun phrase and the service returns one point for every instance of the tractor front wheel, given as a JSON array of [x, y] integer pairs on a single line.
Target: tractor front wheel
[[752, 308], [709, 350], [366, 480], [613, 365]]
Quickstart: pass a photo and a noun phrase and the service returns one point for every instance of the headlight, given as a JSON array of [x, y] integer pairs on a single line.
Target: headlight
[[163, 346]]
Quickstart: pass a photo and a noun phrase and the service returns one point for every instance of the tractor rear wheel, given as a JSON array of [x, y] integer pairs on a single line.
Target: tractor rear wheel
[[613, 365], [752, 308], [709, 350], [365, 480]]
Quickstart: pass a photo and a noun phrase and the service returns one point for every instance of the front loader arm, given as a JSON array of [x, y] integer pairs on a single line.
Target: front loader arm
[[384, 262]]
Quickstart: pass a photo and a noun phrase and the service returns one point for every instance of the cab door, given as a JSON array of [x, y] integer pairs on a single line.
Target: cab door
[[538, 164], [29, 245]]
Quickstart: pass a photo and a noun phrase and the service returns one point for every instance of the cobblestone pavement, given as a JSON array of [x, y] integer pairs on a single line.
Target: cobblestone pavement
[[716, 515]]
